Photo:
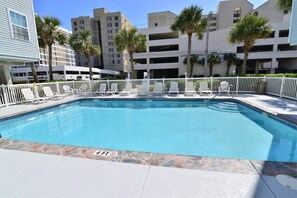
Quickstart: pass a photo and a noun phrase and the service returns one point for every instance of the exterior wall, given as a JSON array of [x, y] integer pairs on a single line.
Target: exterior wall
[[62, 55], [271, 11], [12, 49], [104, 25], [160, 19], [293, 28], [225, 15]]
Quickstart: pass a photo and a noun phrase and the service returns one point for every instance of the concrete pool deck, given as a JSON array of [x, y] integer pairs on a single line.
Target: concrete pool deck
[[26, 174]]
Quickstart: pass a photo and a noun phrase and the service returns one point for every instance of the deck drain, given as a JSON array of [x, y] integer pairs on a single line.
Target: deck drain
[[288, 181], [105, 153]]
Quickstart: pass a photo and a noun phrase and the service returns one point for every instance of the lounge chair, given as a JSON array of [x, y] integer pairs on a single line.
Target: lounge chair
[[29, 96], [173, 88], [83, 89], [224, 87], [101, 90], [203, 88], [127, 90], [144, 89], [113, 89], [158, 90], [68, 90], [190, 89], [52, 95]]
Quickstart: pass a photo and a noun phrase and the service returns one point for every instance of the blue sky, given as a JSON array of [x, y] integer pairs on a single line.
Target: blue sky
[[135, 10]]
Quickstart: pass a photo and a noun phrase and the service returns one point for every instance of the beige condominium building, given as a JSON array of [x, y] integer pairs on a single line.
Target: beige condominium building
[[103, 25], [62, 54], [166, 50]]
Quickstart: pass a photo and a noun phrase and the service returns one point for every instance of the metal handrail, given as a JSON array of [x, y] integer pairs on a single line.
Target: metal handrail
[[221, 91]]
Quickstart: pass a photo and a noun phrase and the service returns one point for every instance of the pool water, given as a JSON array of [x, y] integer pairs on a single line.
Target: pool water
[[215, 129]]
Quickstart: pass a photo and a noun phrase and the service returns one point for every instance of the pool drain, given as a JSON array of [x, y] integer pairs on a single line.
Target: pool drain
[[288, 181], [105, 153]]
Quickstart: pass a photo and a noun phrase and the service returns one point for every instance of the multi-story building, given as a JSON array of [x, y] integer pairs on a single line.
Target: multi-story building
[[24, 74], [103, 25], [166, 50], [61, 55], [18, 38]]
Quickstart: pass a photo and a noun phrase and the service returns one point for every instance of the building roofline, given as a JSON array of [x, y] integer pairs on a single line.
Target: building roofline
[[161, 12]]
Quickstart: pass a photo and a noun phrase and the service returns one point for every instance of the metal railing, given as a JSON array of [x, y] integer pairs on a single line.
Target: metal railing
[[282, 87]]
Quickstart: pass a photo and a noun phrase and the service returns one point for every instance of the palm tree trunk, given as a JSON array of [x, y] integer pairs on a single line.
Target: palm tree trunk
[[50, 62], [210, 69], [191, 71], [33, 69], [189, 55], [133, 74], [246, 54], [90, 67], [228, 68]]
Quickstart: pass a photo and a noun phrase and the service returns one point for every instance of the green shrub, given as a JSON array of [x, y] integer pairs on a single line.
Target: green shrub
[[288, 75]]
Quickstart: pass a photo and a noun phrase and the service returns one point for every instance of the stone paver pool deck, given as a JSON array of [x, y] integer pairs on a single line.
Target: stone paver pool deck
[[148, 173]]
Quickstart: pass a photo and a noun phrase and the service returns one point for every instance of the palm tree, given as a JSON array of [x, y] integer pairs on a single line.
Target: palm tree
[[246, 31], [130, 40], [212, 60], [193, 61], [33, 70], [190, 22], [285, 4], [231, 59], [81, 42], [48, 34]]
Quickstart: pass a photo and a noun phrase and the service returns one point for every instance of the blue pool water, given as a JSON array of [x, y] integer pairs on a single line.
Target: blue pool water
[[216, 129]]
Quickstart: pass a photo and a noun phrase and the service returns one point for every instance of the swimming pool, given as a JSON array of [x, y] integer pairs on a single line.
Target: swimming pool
[[200, 128]]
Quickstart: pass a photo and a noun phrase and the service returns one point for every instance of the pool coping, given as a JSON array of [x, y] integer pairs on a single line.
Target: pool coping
[[157, 159]]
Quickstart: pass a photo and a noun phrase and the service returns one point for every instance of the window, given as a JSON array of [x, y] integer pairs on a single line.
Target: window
[[75, 29], [110, 37], [110, 49], [118, 55], [286, 11], [81, 22], [74, 23], [118, 61], [156, 24], [116, 24], [108, 18], [109, 24], [19, 26], [116, 30], [82, 27], [110, 43], [111, 62], [116, 18], [109, 31], [111, 55]]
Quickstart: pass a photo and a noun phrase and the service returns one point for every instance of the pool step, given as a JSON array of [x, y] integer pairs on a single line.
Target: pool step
[[230, 107]]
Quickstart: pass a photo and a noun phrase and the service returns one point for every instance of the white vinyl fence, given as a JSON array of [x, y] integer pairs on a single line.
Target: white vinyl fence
[[282, 87]]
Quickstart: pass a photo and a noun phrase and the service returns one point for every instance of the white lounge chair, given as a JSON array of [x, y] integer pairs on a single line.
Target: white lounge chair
[[158, 90], [190, 89], [224, 87], [52, 95], [144, 89], [203, 88], [113, 89], [68, 90], [29, 96], [83, 89], [101, 90], [173, 88], [127, 90]]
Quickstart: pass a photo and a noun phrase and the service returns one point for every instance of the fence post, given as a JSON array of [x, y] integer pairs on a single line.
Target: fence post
[[211, 84], [73, 84], [237, 84], [57, 87], [91, 85], [4, 95], [282, 87], [108, 84], [163, 81]]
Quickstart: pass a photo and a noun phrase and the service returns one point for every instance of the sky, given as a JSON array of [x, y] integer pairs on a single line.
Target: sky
[[135, 10]]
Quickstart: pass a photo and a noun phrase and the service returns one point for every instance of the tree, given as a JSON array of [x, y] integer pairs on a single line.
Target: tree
[[130, 40], [190, 22], [212, 60], [246, 31], [33, 70], [231, 59], [193, 61], [48, 34], [285, 4], [81, 42]]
